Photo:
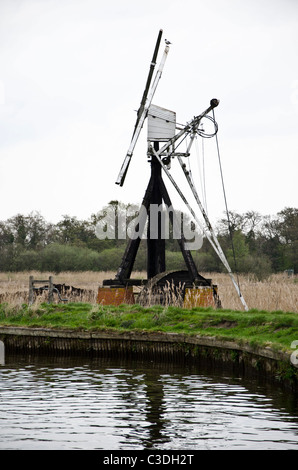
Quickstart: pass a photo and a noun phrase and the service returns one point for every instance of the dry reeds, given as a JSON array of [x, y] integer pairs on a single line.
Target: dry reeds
[[279, 292], [166, 295]]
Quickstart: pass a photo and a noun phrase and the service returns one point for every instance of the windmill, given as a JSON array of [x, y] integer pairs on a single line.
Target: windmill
[[163, 142]]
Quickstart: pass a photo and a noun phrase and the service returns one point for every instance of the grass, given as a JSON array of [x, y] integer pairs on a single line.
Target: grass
[[276, 329], [271, 321]]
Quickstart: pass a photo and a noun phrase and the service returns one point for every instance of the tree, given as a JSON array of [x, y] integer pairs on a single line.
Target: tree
[[288, 225], [112, 221], [28, 231], [288, 233], [72, 231], [6, 235]]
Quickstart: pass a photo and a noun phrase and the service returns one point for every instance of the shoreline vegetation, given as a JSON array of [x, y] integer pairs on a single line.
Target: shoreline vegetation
[[272, 320], [275, 330]]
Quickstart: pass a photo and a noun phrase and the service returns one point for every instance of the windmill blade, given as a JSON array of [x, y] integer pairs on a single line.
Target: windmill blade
[[144, 106], [149, 78]]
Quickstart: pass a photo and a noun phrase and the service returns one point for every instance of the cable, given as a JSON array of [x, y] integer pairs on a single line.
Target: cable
[[204, 176], [226, 205], [201, 171], [207, 135]]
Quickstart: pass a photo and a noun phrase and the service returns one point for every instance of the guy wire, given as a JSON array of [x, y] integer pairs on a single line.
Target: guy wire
[[226, 205]]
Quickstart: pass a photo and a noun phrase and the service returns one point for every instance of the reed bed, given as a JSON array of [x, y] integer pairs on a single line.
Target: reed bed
[[278, 292]]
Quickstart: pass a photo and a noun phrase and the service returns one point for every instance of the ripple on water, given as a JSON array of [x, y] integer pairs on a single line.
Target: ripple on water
[[133, 406]]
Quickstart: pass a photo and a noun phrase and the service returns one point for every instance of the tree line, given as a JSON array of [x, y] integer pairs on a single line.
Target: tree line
[[252, 243]]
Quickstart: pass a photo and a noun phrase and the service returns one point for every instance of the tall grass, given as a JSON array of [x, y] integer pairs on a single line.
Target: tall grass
[[279, 292]]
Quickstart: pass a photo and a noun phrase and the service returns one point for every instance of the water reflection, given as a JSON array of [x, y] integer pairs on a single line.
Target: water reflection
[[84, 403]]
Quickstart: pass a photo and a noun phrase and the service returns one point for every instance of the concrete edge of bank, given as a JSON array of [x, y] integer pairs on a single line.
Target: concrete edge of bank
[[273, 364]]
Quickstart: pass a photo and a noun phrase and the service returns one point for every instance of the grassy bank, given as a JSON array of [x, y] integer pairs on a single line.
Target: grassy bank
[[276, 329]]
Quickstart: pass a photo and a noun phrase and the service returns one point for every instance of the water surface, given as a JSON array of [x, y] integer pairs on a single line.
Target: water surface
[[85, 403]]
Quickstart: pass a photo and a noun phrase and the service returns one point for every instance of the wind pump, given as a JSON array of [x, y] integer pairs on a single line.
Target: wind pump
[[187, 287]]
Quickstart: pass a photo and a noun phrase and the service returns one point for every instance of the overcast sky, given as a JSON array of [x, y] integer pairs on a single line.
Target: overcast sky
[[72, 74]]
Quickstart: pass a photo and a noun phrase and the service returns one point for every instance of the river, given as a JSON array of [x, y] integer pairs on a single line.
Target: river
[[68, 403]]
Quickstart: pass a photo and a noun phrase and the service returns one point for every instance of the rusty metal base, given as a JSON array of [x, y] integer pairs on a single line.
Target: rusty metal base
[[115, 295]]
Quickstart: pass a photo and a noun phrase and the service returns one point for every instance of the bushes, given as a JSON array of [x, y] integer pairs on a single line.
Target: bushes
[[174, 260], [58, 258], [55, 258]]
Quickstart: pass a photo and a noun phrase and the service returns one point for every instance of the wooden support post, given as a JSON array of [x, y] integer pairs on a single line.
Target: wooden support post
[[31, 292], [51, 290], [156, 259], [156, 192]]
